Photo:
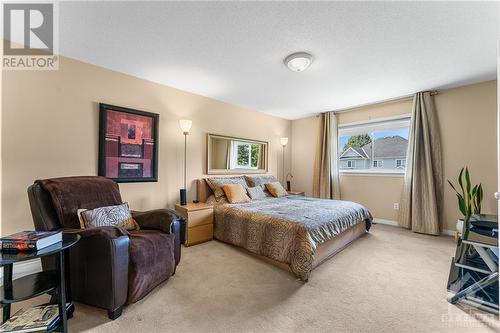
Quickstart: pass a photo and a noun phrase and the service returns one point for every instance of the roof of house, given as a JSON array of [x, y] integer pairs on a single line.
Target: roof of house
[[388, 147], [353, 152]]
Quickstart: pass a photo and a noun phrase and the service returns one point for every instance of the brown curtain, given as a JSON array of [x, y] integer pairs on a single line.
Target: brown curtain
[[229, 153], [326, 182], [422, 198], [262, 157]]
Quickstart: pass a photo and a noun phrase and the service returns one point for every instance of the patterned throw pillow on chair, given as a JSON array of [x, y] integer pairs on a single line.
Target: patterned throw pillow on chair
[[118, 216]]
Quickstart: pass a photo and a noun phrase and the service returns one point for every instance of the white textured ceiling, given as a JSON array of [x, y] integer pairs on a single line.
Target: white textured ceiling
[[364, 51]]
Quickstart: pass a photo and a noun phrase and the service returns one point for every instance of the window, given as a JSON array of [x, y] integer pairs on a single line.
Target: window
[[374, 146], [245, 155]]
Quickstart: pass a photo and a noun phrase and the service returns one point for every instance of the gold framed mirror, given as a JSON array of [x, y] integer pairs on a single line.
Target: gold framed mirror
[[232, 155]]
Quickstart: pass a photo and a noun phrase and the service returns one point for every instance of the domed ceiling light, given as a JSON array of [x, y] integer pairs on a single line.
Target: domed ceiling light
[[298, 61]]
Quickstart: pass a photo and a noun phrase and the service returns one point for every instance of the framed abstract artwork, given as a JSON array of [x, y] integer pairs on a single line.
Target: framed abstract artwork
[[128, 144]]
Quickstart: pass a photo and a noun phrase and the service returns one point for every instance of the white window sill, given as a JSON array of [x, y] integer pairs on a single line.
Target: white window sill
[[368, 172]]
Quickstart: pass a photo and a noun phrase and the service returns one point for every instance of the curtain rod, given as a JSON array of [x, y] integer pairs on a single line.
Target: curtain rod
[[384, 101]]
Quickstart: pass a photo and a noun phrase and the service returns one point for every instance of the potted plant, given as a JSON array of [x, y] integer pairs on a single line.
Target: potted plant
[[469, 201]]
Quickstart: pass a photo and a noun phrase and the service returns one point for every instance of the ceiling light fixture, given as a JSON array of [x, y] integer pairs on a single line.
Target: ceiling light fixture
[[298, 61]]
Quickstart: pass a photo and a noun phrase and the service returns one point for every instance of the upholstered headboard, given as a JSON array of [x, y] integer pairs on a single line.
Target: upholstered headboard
[[203, 191]]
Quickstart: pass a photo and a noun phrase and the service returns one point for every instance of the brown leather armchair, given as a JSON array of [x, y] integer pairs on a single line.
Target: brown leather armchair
[[110, 267]]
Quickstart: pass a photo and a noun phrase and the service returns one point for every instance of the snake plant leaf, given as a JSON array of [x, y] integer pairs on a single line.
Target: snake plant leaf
[[467, 180], [469, 200], [460, 179], [479, 198], [453, 187], [461, 205]]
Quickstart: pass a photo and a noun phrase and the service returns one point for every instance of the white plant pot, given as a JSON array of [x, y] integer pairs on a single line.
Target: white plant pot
[[460, 226]]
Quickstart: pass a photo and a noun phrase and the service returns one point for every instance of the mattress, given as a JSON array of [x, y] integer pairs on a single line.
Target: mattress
[[288, 230]]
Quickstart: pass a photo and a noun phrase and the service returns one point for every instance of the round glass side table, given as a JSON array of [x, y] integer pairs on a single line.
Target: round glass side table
[[40, 283]]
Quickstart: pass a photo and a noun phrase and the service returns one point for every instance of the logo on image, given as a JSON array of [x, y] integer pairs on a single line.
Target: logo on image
[[29, 31]]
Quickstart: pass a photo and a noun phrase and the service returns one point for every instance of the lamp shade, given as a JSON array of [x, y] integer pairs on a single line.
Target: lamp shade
[[284, 141], [185, 125]]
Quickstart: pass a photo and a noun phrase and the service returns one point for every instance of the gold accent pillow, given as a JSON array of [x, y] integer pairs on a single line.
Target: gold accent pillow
[[235, 193], [276, 189]]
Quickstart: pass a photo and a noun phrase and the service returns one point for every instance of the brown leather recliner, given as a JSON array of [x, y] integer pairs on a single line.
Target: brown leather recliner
[[109, 267]]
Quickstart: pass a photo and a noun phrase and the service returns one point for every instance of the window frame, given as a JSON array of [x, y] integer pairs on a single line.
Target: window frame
[[373, 123], [377, 164], [248, 166], [403, 163]]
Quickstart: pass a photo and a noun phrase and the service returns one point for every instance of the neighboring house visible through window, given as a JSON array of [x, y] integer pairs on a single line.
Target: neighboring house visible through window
[[374, 146]]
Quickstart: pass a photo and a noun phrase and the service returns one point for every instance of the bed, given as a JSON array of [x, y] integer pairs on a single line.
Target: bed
[[295, 233]]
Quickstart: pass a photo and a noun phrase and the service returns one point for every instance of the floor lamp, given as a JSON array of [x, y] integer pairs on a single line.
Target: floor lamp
[[185, 127], [284, 142]]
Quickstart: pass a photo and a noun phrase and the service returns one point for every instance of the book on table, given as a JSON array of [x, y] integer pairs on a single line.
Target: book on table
[[30, 240], [34, 319], [483, 229]]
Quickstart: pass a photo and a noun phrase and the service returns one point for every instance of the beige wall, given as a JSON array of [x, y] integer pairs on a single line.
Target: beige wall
[[468, 121], [1, 113], [378, 193], [304, 138], [467, 118], [50, 129]]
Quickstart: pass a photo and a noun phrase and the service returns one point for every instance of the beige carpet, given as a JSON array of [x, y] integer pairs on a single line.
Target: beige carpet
[[390, 280]]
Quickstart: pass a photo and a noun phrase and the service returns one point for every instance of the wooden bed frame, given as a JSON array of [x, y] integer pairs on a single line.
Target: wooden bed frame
[[324, 251]]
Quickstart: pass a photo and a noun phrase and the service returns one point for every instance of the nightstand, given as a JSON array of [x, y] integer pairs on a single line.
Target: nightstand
[[297, 193], [199, 222]]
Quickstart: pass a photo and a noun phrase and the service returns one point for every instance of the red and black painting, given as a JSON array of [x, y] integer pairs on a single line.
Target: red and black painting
[[128, 144]]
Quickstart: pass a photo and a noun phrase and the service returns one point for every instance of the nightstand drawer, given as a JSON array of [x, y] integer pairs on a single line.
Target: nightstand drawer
[[199, 234], [200, 217]]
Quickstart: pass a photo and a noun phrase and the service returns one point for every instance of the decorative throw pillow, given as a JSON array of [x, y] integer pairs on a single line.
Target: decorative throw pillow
[[213, 202], [235, 193], [256, 193], [216, 183], [80, 217], [118, 216], [254, 181], [276, 189]]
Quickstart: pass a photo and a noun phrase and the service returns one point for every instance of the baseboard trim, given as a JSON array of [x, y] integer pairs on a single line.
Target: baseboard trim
[[24, 268], [447, 232], [444, 232], [386, 222]]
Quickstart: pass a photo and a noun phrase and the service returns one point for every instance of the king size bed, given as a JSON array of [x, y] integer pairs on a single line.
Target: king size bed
[[295, 233]]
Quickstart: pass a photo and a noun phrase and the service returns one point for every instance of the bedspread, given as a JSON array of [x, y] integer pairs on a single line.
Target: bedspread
[[287, 229]]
